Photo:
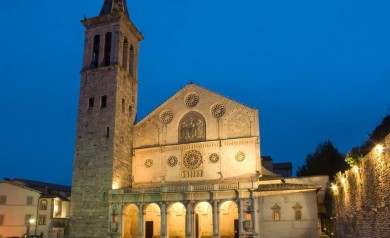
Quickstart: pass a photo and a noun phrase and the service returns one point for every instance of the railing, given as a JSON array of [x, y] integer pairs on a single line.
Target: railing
[[192, 188]]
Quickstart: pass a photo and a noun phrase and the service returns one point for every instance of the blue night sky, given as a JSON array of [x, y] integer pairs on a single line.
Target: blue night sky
[[316, 70]]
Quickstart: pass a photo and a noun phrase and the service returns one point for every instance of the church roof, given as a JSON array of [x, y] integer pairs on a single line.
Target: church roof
[[110, 6]]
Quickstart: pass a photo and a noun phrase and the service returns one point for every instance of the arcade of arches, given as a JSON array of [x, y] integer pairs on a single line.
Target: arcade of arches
[[179, 220]]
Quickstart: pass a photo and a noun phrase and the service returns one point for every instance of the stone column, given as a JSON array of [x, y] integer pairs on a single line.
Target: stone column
[[141, 220], [241, 217], [164, 220], [255, 216], [215, 219], [189, 219]]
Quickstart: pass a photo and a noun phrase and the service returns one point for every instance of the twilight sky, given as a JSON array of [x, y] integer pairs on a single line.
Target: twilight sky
[[316, 70]]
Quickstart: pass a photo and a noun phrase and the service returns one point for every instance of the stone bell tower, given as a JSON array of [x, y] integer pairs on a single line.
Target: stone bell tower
[[106, 115]]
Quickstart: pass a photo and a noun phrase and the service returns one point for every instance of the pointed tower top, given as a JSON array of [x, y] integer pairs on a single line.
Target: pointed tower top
[[110, 6]]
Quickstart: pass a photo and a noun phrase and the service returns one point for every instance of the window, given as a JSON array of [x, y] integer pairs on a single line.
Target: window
[[107, 49], [3, 199], [108, 132], [125, 57], [91, 101], [276, 215], [95, 52], [43, 205], [298, 215], [130, 110], [42, 220], [276, 211], [29, 200], [103, 103], [1, 220], [131, 68]]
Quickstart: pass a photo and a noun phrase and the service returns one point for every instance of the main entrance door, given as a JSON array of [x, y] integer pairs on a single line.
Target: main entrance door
[[236, 229], [149, 229]]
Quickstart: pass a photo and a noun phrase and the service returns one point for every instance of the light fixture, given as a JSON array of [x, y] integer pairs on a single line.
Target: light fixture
[[355, 169], [334, 187], [379, 148], [343, 180]]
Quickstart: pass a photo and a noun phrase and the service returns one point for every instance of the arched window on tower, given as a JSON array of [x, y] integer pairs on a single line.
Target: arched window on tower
[[107, 49], [95, 52], [125, 59], [131, 69]]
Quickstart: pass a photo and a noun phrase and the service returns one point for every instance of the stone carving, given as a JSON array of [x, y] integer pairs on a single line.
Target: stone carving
[[166, 116], [191, 100], [218, 110], [192, 128], [148, 163], [172, 161], [240, 156], [214, 158], [192, 159]]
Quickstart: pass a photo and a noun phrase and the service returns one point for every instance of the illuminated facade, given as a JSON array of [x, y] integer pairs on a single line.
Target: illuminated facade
[[191, 168]]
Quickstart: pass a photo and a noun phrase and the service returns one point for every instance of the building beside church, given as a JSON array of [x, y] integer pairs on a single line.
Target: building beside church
[[191, 168], [42, 207]]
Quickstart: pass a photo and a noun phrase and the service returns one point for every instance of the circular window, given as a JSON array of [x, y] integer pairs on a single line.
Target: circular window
[[191, 100], [166, 116], [148, 163], [192, 159], [240, 156], [172, 161], [218, 110], [214, 158]]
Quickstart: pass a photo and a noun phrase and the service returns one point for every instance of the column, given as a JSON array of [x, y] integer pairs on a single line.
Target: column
[[164, 220], [215, 219], [255, 216], [189, 219], [241, 217], [140, 220]]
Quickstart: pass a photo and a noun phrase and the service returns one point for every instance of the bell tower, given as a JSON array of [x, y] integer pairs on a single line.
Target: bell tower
[[106, 115]]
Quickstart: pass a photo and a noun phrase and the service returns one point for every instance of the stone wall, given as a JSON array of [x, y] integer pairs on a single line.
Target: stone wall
[[361, 203]]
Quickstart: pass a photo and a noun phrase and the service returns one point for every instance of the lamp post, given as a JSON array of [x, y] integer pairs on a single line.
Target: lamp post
[[28, 225]]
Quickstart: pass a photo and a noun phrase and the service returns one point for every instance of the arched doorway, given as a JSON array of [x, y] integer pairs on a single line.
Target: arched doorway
[[176, 220], [228, 220], [203, 220], [130, 221], [152, 220]]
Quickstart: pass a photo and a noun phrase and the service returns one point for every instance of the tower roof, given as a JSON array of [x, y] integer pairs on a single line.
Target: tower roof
[[110, 6]]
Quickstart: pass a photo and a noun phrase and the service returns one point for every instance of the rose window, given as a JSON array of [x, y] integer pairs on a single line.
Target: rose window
[[218, 110], [240, 156], [214, 158], [172, 161], [191, 100], [192, 159], [166, 116], [148, 163]]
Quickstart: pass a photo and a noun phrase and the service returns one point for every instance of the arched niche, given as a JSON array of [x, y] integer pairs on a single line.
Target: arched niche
[[192, 128]]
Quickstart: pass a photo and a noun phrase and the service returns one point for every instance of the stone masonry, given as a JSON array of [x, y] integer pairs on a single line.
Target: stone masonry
[[362, 203]]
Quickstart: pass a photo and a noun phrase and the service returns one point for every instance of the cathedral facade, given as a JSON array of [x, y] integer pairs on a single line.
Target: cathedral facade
[[191, 168]]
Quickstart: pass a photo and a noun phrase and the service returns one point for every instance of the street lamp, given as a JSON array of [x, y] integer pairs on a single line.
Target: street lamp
[[28, 225]]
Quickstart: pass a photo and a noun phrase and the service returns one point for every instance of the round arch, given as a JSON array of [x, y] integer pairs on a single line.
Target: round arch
[[176, 220], [228, 218], [192, 128], [130, 221]]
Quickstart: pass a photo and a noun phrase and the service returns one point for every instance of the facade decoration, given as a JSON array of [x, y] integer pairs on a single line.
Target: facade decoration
[[172, 161], [191, 100], [192, 128], [214, 158], [218, 110], [148, 163], [166, 116], [240, 156], [192, 159]]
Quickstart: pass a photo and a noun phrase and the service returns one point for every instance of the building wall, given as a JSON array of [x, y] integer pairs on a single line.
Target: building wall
[[15, 209], [288, 226], [362, 204]]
